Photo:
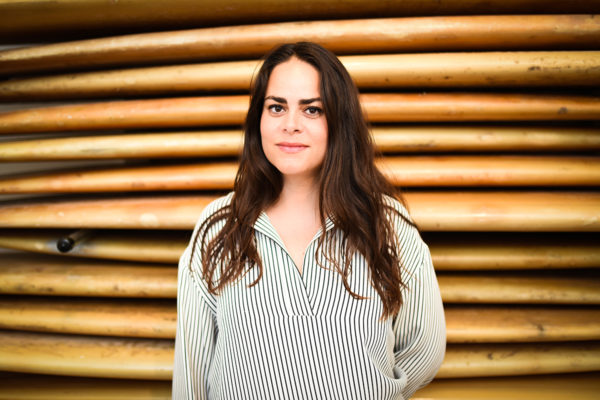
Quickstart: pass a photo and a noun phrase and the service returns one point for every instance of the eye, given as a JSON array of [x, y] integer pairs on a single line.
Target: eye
[[314, 111], [276, 108]]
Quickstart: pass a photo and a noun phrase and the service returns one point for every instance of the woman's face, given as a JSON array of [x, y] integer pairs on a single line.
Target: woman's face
[[293, 126]]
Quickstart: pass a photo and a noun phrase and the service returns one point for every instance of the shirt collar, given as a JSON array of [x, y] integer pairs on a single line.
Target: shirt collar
[[263, 224]]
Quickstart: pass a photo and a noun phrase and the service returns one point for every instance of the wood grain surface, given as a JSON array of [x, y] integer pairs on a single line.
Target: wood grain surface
[[432, 211], [413, 171], [62, 276], [29, 274], [471, 360], [501, 324], [583, 386], [389, 139], [127, 358], [389, 71], [151, 319], [519, 289], [231, 110], [463, 251], [383, 34]]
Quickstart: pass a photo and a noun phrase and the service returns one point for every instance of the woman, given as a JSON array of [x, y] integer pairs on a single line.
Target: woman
[[308, 281]]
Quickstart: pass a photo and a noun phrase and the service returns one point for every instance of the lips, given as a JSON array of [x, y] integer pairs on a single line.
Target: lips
[[288, 147]]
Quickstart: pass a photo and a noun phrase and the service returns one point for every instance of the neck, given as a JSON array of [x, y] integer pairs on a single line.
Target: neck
[[301, 192]]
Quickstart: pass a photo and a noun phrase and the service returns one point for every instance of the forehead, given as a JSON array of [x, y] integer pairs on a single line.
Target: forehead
[[294, 79]]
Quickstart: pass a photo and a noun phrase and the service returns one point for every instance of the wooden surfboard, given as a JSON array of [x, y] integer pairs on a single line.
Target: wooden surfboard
[[37, 275], [76, 355], [231, 110], [422, 34], [151, 319], [432, 211], [153, 358], [473, 324], [118, 317], [515, 289], [556, 387], [513, 251], [486, 69], [389, 139], [583, 386], [29, 274], [402, 171], [461, 252], [143, 246], [469, 360], [14, 386]]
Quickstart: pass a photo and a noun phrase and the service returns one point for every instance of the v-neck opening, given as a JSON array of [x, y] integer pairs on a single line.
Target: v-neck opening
[[266, 226]]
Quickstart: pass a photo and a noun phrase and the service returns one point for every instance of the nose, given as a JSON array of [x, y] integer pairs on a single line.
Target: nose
[[291, 122]]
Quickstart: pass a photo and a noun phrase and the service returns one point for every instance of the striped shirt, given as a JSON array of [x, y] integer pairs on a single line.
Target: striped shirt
[[303, 336]]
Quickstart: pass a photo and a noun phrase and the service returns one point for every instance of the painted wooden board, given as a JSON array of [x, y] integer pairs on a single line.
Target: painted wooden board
[[29, 274], [76, 355], [517, 289], [582, 386], [151, 319], [421, 34], [403, 171], [231, 110], [15, 386], [546, 387], [404, 139], [153, 358], [108, 317], [473, 324], [461, 252], [485, 69], [470, 360], [432, 211]]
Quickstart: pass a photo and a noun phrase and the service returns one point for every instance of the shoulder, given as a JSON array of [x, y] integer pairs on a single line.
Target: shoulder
[[206, 229], [212, 207], [412, 249]]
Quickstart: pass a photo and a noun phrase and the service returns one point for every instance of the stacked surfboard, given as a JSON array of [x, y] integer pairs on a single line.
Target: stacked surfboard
[[125, 121]]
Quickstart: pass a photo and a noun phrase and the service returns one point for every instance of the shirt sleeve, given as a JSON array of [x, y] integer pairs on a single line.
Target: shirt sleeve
[[196, 333], [420, 328]]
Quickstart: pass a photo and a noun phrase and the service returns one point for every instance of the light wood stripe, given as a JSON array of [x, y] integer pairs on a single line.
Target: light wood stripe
[[555, 387], [108, 317], [405, 139], [514, 289], [472, 324], [466, 324], [505, 211], [465, 361], [473, 252], [402, 171], [25, 274], [462, 252], [584, 386], [86, 356], [231, 110], [62, 276], [25, 20], [153, 358], [432, 211], [486, 69], [15, 386], [143, 246]]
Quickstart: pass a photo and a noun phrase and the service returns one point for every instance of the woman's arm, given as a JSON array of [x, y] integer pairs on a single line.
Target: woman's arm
[[195, 338], [420, 328]]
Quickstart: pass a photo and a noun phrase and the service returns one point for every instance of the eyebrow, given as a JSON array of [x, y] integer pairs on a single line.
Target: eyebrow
[[284, 101]]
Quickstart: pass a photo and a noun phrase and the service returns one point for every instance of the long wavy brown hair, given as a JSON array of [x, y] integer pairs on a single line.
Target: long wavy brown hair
[[351, 188]]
